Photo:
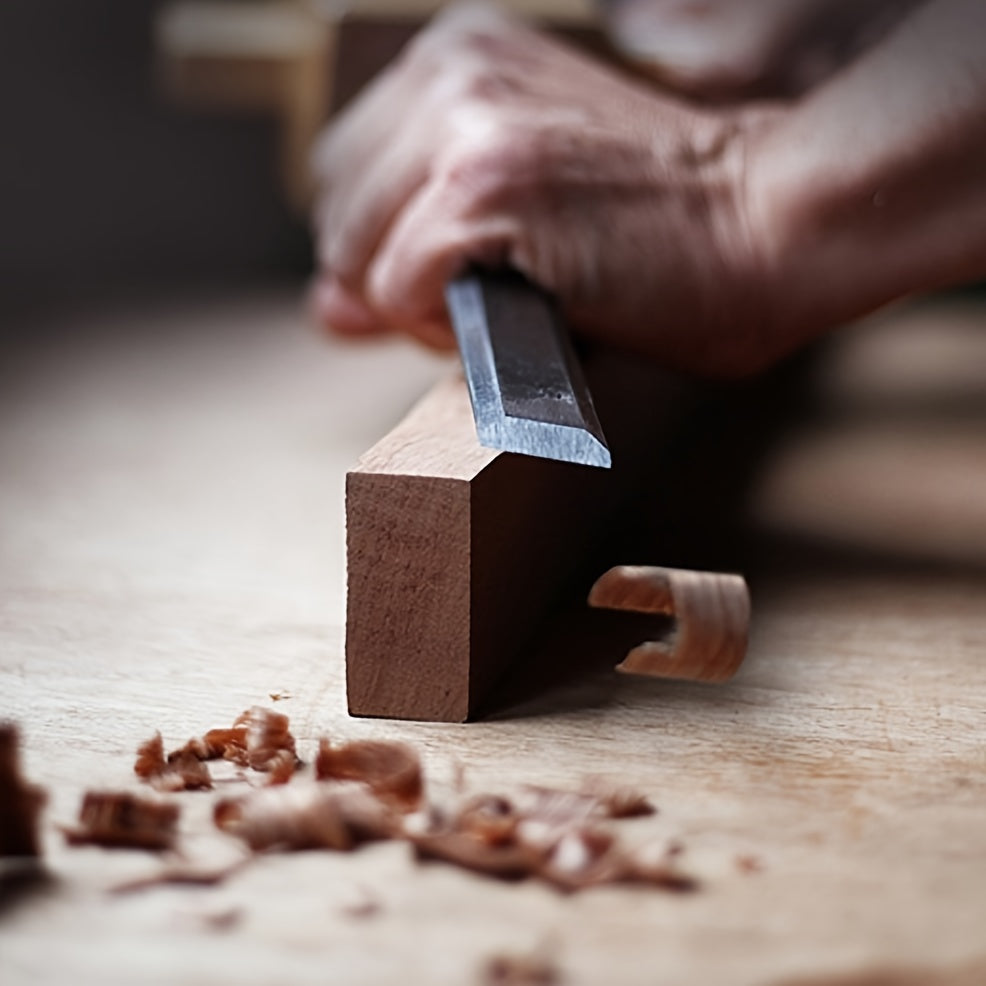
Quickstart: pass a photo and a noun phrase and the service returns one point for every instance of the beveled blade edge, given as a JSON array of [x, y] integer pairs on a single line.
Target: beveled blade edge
[[464, 296], [544, 440], [494, 428]]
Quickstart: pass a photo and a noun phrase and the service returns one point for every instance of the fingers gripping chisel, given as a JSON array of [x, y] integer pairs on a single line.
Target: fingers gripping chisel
[[525, 381]]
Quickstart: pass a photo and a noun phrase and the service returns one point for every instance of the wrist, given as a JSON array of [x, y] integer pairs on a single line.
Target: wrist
[[743, 289]]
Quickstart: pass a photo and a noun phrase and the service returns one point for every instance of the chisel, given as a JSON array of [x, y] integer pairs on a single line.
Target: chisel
[[526, 385]]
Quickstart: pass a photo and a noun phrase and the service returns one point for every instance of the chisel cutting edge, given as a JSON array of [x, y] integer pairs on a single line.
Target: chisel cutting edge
[[525, 382]]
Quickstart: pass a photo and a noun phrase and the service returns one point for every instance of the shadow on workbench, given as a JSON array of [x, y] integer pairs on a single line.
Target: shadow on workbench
[[22, 880]]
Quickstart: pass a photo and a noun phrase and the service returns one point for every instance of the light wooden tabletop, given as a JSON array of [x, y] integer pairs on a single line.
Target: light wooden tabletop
[[171, 552]]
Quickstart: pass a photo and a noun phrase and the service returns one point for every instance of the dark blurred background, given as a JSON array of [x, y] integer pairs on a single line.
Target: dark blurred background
[[112, 185], [107, 186]]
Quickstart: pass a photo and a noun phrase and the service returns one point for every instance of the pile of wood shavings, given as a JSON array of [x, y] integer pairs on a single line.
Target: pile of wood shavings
[[258, 739], [557, 836], [374, 790]]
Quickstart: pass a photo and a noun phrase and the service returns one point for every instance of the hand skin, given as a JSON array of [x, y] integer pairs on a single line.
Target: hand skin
[[721, 50], [712, 240]]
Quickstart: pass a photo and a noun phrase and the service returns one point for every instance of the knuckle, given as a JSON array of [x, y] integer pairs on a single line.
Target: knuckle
[[493, 161]]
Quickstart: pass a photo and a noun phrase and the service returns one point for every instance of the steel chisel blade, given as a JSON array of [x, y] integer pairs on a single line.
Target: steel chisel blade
[[526, 384]]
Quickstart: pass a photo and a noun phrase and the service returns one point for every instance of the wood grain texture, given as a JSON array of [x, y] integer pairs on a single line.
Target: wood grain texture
[[711, 619], [458, 555], [171, 552]]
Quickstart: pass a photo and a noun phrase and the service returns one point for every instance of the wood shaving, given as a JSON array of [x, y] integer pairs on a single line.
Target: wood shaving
[[373, 789], [552, 809], [219, 744], [549, 834], [391, 770], [269, 742], [508, 861], [181, 771], [118, 819], [150, 758], [582, 857], [490, 818], [310, 816], [595, 798], [281, 767], [22, 802], [259, 739]]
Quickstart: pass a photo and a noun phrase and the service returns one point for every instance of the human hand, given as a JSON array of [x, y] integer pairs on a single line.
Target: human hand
[[489, 143], [720, 50]]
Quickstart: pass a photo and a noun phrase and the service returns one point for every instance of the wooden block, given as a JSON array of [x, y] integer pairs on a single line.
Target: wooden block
[[457, 553]]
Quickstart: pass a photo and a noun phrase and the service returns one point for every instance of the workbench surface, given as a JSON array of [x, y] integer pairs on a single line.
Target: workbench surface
[[171, 552]]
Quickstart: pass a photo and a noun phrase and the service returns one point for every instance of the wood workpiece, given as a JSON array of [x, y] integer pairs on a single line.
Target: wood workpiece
[[172, 553], [459, 554]]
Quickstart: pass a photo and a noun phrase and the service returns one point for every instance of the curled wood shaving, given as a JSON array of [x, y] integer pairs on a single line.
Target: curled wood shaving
[[150, 758], [311, 816], [118, 819], [489, 818], [582, 857], [185, 772], [21, 802], [596, 798], [550, 834], [509, 861], [269, 743], [391, 770], [219, 744], [555, 808], [281, 767], [259, 738], [181, 771]]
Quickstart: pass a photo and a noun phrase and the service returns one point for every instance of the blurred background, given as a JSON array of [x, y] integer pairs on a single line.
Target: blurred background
[[110, 182], [155, 157], [153, 143]]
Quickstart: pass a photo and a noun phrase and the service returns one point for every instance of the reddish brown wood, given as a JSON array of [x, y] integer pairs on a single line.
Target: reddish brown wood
[[457, 553]]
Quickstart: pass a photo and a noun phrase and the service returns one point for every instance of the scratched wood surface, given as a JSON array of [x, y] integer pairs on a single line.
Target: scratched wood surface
[[171, 551]]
